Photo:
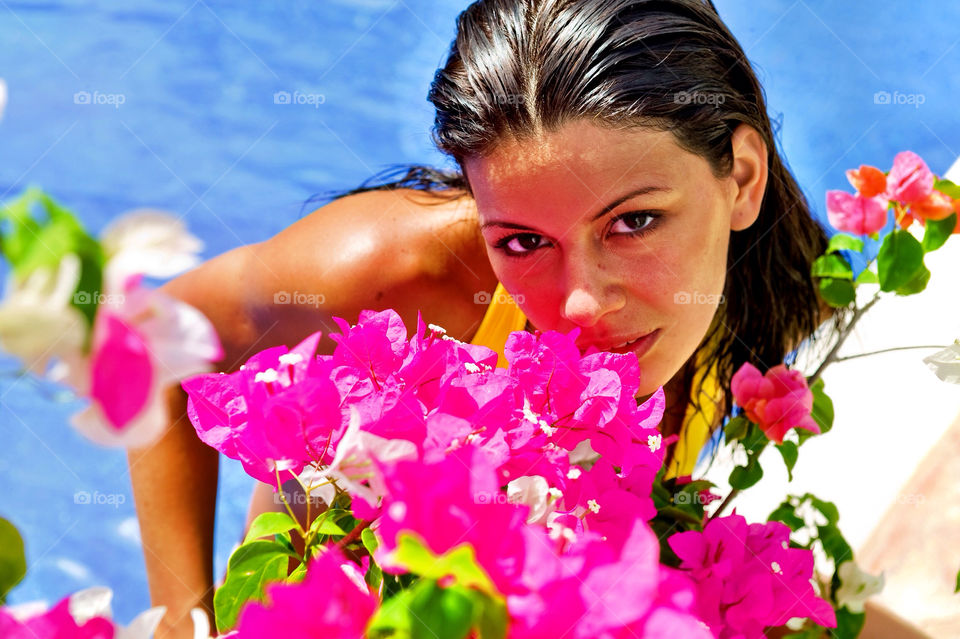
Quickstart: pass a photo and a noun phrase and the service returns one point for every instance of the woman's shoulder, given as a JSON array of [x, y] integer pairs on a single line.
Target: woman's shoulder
[[402, 249]]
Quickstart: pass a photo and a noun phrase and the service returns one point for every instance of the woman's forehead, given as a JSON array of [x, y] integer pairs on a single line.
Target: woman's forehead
[[582, 161]]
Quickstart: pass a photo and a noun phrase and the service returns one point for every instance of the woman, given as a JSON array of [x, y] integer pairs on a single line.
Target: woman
[[619, 175]]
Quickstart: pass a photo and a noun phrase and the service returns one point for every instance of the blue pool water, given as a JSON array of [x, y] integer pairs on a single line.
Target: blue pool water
[[198, 133]]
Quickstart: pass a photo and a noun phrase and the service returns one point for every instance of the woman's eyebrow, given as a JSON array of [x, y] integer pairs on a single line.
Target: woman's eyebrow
[[609, 207]]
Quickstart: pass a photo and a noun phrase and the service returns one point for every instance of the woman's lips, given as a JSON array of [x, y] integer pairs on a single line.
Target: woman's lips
[[639, 346]]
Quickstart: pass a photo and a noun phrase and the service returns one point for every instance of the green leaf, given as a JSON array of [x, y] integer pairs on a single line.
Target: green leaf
[[743, 477], [844, 242], [827, 508], [867, 277], [460, 563], [326, 524], [917, 284], [899, 260], [822, 411], [252, 566], [267, 524], [491, 618], [298, 574], [832, 265], [789, 452], [957, 589], [948, 188], [736, 429], [786, 513], [849, 624], [370, 541], [937, 232], [13, 560], [33, 242], [837, 293], [834, 545], [425, 611]]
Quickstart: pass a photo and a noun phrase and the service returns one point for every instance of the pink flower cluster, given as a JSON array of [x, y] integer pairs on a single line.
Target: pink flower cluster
[[777, 401], [909, 184], [56, 623], [557, 581], [430, 438], [748, 578], [287, 409]]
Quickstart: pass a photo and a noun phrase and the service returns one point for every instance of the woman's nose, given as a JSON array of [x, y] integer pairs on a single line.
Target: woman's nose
[[587, 300]]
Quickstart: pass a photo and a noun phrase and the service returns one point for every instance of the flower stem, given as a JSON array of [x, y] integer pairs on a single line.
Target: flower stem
[[726, 502], [353, 534], [885, 350], [844, 334], [829, 359]]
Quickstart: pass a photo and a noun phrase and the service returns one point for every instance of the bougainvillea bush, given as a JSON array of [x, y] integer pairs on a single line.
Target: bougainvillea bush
[[449, 496], [455, 506]]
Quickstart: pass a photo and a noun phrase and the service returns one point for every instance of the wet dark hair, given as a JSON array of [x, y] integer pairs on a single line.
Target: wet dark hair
[[518, 67]]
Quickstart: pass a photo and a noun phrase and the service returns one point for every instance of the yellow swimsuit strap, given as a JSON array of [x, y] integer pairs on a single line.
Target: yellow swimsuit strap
[[503, 316]]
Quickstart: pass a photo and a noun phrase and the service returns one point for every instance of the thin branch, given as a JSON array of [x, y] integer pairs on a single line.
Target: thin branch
[[885, 350], [832, 355]]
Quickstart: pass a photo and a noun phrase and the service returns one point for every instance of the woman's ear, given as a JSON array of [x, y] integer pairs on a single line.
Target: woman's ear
[[749, 175]]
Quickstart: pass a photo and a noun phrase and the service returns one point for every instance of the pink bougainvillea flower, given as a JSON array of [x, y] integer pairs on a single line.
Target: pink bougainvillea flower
[[855, 213], [869, 181], [604, 499], [331, 602], [592, 587], [83, 615], [57, 623], [582, 397], [777, 401], [462, 491], [279, 412], [143, 341], [910, 180], [122, 354], [748, 578]]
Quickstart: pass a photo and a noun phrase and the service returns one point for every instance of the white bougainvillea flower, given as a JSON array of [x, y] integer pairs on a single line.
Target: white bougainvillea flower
[[148, 242], [856, 586], [533, 491], [945, 364], [143, 341], [37, 321], [353, 468]]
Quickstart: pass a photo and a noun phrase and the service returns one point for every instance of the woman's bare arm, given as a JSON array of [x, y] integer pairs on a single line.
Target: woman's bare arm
[[357, 253]]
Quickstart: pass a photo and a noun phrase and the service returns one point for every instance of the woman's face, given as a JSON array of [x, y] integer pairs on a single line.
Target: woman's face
[[619, 232]]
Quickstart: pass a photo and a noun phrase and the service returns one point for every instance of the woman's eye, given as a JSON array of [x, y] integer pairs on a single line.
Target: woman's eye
[[520, 244], [634, 223]]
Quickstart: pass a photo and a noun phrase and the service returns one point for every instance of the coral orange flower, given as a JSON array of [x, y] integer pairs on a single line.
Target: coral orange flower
[[935, 206], [869, 181]]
